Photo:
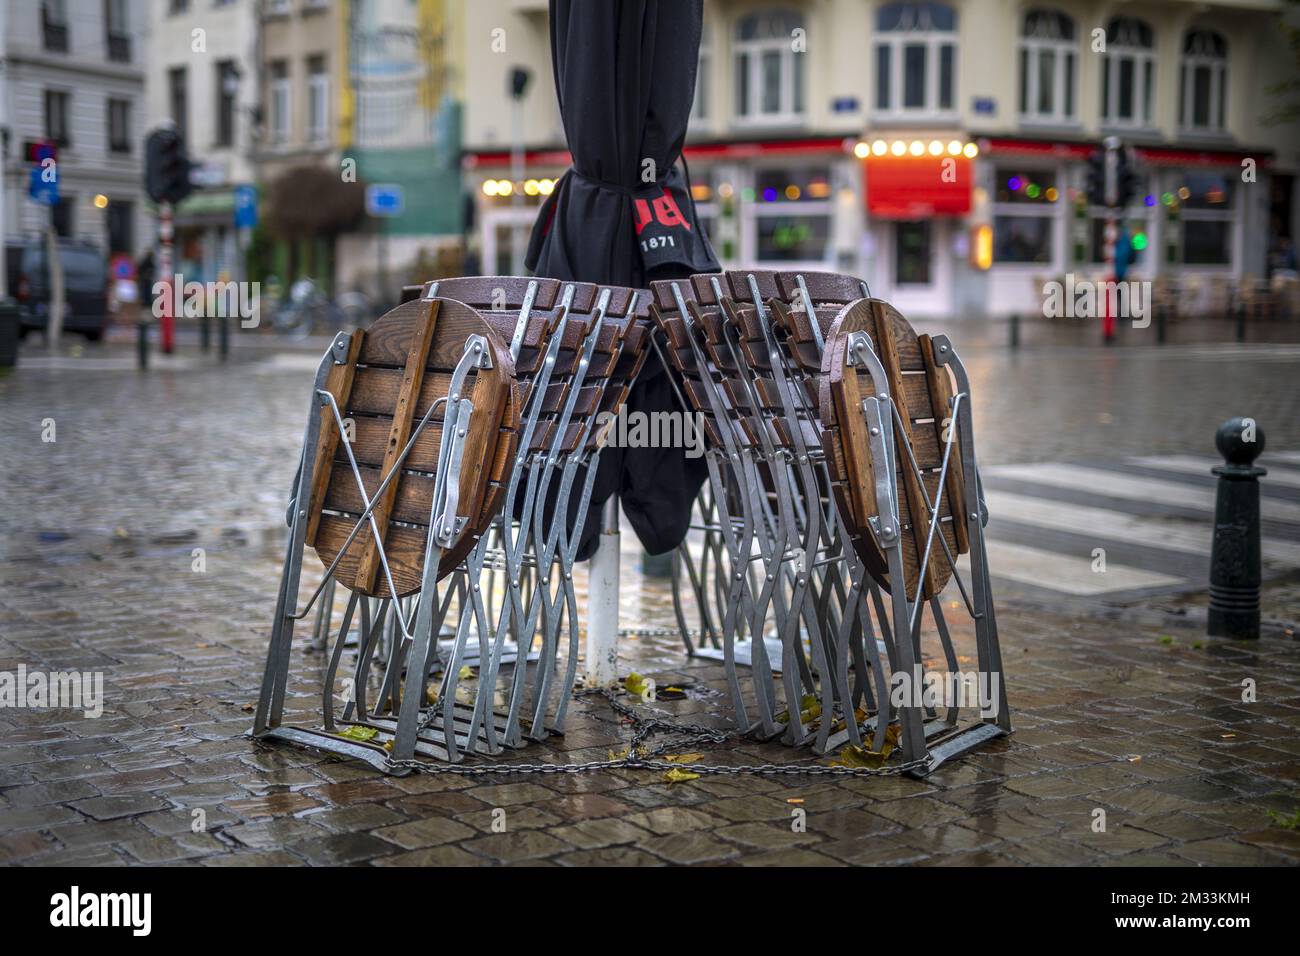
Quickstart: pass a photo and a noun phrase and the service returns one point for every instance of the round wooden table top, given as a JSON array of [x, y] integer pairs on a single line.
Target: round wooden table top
[[921, 390], [395, 370]]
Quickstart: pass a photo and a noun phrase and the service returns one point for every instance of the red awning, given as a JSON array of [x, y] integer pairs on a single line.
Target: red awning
[[914, 187], [1152, 155], [694, 151]]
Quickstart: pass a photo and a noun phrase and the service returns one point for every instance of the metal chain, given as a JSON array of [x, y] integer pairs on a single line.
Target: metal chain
[[636, 758]]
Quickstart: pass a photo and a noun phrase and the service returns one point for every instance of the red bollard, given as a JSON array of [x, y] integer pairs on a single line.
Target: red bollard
[[1107, 320]]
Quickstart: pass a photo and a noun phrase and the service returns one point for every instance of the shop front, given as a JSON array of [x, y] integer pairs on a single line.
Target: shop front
[[1188, 220], [764, 204], [918, 194]]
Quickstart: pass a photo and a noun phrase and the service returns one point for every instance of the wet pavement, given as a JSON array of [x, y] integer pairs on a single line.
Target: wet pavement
[[1120, 707]]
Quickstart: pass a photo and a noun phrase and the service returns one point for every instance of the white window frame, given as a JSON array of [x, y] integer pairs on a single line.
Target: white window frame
[[753, 211], [924, 34], [1229, 213], [1065, 71], [280, 113], [1218, 67], [753, 50], [1054, 211], [1144, 100], [318, 107], [701, 105]]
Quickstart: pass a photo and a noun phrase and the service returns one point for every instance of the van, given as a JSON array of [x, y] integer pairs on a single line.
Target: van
[[85, 284]]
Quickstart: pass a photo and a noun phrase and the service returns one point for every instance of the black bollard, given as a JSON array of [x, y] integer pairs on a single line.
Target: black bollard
[[1160, 327], [1015, 330], [205, 333], [1241, 323], [1234, 555], [142, 344], [223, 337]]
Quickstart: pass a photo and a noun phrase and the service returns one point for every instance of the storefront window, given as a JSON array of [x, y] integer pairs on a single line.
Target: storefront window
[[1207, 242], [793, 238], [916, 50], [1022, 239], [1207, 216], [1026, 204], [792, 213]]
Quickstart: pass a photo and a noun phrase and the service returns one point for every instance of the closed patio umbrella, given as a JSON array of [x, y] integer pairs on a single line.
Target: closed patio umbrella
[[623, 214]]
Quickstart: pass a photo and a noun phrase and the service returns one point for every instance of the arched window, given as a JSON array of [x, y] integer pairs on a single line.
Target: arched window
[[1048, 54], [769, 73], [1128, 73], [1203, 86], [916, 58]]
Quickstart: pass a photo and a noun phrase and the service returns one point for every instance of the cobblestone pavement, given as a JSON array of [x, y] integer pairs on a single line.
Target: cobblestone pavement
[[1127, 709]]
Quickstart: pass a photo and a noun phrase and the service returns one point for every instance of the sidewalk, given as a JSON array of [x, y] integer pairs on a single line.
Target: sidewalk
[[1139, 716]]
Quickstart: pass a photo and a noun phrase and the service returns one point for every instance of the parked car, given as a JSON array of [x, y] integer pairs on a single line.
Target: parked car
[[85, 284]]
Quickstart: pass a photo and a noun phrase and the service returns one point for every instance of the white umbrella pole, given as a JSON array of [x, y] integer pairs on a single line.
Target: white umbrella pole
[[602, 602]]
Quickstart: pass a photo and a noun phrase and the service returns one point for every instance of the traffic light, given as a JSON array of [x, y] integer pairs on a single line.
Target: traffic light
[[1096, 185], [1129, 181], [166, 167]]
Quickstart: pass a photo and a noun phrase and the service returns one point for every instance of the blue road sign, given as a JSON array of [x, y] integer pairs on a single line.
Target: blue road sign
[[44, 190], [385, 199], [245, 207]]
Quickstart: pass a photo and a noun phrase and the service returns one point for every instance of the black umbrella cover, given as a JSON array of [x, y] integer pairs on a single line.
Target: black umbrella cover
[[623, 214]]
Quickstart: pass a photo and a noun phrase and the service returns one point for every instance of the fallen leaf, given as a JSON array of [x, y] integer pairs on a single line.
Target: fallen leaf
[[678, 775], [357, 732], [864, 757], [465, 673], [634, 684], [683, 758]]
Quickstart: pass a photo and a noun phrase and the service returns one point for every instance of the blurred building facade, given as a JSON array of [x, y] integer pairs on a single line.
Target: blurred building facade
[[72, 74], [938, 148], [203, 76], [401, 123]]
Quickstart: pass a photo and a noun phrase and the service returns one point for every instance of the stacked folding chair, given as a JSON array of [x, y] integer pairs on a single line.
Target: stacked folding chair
[[448, 461], [842, 481]]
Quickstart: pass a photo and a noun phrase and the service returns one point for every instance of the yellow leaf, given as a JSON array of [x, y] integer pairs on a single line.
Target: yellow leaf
[[683, 758], [466, 672], [866, 758], [431, 694], [678, 775], [357, 732], [388, 745], [634, 683]]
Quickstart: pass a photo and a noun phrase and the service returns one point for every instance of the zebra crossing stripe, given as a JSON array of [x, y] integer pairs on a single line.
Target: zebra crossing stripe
[[1196, 465], [1158, 533], [1101, 482], [1068, 573]]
